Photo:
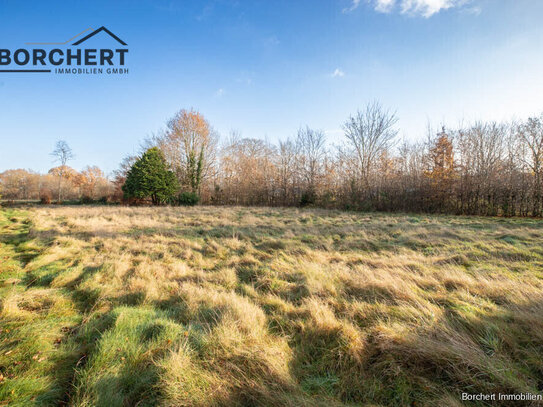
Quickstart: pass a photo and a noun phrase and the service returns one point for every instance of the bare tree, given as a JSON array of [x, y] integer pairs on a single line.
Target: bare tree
[[369, 133], [311, 153], [286, 163], [16, 184], [480, 160], [411, 166], [62, 153], [484, 168], [248, 171], [531, 135]]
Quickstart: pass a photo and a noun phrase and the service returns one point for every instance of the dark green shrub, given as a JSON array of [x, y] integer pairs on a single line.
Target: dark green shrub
[[86, 200], [308, 198], [150, 177], [188, 198]]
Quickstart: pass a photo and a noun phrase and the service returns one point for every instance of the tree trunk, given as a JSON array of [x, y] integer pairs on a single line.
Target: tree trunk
[[59, 187]]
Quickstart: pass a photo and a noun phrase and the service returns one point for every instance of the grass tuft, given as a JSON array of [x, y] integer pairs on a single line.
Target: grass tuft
[[208, 306]]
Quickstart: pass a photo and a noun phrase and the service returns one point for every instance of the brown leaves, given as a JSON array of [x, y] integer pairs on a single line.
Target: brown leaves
[[441, 160], [38, 358]]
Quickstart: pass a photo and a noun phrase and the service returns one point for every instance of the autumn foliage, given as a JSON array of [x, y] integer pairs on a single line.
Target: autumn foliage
[[481, 169]]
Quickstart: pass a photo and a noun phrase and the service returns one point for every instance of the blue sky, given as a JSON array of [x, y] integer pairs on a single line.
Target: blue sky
[[265, 68]]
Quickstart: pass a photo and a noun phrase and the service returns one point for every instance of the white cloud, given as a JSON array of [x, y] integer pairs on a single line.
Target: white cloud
[[425, 8], [219, 92], [384, 6], [428, 8], [338, 73]]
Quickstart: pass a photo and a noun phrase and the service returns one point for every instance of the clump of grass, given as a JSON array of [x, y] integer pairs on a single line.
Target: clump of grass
[[123, 367], [211, 306]]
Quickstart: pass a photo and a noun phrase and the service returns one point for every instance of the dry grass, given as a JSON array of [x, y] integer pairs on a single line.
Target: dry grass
[[209, 306]]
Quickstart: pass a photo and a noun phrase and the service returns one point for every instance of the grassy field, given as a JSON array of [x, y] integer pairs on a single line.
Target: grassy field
[[206, 306]]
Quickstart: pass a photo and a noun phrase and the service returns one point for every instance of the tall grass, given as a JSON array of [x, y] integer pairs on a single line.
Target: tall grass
[[210, 306]]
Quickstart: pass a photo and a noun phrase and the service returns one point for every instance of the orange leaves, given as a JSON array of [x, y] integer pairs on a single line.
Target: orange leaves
[[441, 166], [188, 126], [90, 177], [64, 171]]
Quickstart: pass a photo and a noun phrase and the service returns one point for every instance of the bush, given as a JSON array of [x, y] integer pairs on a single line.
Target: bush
[[308, 198], [188, 199], [45, 198], [86, 200], [150, 177]]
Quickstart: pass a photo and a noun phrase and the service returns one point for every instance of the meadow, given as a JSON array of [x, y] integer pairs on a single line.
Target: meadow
[[233, 306]]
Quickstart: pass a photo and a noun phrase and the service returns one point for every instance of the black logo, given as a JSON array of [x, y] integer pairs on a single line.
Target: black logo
[[71, 60], [92, 34]]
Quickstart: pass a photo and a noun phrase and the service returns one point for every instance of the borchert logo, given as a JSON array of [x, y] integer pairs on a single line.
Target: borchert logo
[[74, 59]]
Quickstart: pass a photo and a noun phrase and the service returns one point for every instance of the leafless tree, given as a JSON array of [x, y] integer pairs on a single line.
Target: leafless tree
[[531, 135], [480, 149], [248, 171], [311, 154], [62, 153], [370, 132], [484, 168], [286, 164]]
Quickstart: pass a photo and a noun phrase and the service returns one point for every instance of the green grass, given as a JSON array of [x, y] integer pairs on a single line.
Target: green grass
[[204, 306]]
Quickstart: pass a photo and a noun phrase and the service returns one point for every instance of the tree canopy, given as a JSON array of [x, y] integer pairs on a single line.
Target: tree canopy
[[150, 177]]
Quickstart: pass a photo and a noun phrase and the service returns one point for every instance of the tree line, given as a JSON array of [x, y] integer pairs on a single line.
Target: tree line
[[59, 184], [493, 169]]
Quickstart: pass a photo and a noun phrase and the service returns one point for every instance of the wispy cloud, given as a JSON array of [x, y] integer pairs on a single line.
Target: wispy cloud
[[428, 8], [338, 73], [425, 8], [354, 5], [205, 13], [219, 92], [475, 10]]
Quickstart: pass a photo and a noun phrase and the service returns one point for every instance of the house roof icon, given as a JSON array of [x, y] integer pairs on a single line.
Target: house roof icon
[[92, 34]]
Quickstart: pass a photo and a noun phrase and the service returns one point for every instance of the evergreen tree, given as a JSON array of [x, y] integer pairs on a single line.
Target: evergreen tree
[[150, 177]]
